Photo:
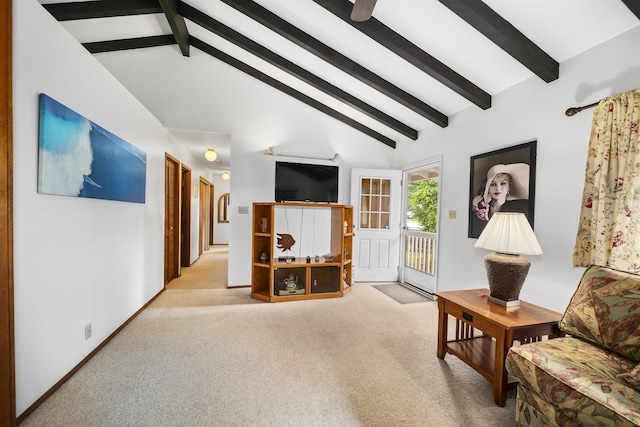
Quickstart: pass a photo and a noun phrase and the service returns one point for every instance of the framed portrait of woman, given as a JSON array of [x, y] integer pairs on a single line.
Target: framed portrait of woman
[[502, 181]]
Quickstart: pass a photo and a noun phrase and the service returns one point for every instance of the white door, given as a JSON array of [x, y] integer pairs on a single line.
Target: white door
[[421, 189], [376, 196]]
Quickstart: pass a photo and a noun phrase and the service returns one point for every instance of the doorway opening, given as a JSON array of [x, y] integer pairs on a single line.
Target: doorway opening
[[421, 203], [177, 214], [171, 219], [204, 221]]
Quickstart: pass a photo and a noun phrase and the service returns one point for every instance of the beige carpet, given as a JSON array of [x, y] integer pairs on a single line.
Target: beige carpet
[[208, 272], [216, 357]]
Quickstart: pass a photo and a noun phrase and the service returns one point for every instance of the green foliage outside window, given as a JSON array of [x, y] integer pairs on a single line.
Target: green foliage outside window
[[423, 203]]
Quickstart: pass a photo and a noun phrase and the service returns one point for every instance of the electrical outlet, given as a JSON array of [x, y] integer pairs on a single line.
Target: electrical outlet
[[87, 331], [452, 214]]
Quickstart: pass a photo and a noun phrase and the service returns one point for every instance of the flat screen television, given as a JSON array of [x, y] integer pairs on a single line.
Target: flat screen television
[[301, 182]]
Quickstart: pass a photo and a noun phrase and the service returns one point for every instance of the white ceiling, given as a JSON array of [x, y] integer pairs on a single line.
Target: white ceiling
[[562, 28]]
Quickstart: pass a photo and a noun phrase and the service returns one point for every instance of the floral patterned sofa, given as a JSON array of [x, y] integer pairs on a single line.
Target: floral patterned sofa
[[591, 376]]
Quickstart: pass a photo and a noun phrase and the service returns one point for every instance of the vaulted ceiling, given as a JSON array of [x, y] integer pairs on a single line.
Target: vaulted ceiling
[[413, 64]]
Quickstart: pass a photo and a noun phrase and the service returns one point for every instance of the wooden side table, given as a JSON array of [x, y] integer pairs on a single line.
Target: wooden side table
[[499, 326]]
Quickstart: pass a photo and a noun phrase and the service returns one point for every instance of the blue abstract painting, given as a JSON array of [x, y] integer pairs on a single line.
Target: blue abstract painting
[[81, 159]]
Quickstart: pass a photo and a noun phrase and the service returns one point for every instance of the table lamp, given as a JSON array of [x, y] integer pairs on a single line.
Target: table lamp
[[509, 235]]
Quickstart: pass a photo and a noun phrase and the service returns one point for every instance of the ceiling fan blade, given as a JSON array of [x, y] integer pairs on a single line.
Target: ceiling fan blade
[[362, 10]]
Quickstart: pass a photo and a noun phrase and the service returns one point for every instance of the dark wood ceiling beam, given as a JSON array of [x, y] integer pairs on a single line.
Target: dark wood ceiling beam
[[228, 59], [304, 40], [126, 44], [229, 34], [634, 6], [101, 9], [410, 53], [484, 19], [177, 24]]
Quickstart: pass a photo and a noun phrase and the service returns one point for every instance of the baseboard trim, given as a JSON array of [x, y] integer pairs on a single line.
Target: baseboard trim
[[23, 416]]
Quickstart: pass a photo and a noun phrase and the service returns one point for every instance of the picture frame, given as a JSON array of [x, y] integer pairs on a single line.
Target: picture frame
[[79, 158], [512, 191]]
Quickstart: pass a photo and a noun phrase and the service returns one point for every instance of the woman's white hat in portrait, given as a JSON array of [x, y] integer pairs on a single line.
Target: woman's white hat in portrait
[[519, 184]]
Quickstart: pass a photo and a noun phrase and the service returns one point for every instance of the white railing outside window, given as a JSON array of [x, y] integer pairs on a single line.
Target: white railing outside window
[[420, 250]]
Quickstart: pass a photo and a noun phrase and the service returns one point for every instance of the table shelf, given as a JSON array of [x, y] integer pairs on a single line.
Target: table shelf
[[478, 352]]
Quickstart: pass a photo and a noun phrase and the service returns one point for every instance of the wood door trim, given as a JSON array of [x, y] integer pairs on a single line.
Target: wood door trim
[[212, 201], [175, 256], [7, 351], [185, 226], [203, 217]]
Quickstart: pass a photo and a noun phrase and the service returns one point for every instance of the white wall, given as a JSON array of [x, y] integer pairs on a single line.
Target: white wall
[[310, 226], [532, 110], [77, 260]]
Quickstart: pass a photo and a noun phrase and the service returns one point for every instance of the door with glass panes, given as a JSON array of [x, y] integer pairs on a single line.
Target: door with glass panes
[[420, 230], [376, 197]]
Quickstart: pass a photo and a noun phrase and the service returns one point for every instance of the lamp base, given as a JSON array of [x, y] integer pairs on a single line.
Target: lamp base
[[514, 303], [506, 274]]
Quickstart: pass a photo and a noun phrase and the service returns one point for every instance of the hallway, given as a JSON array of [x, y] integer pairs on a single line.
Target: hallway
[[204, 284], [207, 272]]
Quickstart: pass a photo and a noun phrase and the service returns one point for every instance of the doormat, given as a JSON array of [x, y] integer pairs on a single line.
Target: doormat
[[401, 294]]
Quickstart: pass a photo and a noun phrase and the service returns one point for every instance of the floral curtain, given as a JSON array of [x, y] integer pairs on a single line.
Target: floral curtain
[[609, 228]]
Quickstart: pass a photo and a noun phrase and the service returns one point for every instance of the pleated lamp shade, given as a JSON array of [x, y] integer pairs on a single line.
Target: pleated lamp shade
[[509, 233]]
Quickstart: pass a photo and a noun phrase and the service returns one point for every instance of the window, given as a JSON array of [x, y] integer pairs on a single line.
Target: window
[[375, 197]]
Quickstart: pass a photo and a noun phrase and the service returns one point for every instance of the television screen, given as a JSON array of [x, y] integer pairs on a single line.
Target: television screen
[[301, 182]]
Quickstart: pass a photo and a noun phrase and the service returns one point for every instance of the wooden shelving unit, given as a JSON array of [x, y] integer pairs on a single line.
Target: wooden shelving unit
[[319, 278]]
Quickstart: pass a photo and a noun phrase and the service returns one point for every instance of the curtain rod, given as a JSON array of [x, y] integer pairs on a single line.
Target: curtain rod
[[575, 110]]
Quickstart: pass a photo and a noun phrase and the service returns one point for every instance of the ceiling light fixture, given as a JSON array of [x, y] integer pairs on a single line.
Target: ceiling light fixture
[[211, 155], [226, 175]]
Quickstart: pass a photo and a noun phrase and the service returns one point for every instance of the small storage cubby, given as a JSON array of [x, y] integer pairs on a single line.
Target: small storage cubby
[[273, 279], [290, 281], [325, 279]]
